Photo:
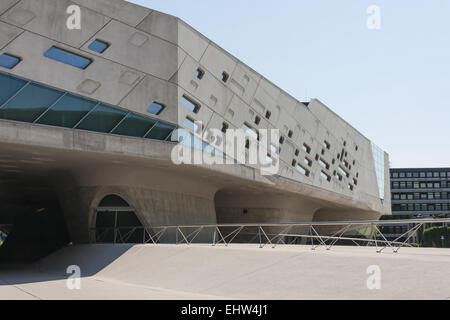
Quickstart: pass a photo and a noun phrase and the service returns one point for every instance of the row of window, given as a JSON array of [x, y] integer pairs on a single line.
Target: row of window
[[420, 185], [26, 101], [421, 196], [9, 61], [421, 207], [422, 174]]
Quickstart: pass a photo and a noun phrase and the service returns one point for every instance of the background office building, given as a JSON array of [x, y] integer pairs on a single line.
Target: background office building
[[86, 130], [418, 193]]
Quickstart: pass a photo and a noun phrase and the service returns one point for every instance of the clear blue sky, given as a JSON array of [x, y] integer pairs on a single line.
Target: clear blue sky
[[392, 84]]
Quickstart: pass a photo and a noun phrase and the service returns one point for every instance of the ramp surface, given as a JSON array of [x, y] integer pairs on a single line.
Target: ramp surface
[[236, 272]]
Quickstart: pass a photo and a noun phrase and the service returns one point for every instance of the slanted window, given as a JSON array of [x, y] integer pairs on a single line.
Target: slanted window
[[102, 119], [134, 125], [67, 112], [308, 162], [8, 61], [161, 131], [199, 73], [297, 152], [324, 175], [257, 120], [9, 87], [327, 145], [67, 57], [32, 101], [251, 131], [324, 164], [225, 76], [98, 46], [224, 127], [190, 124], [306, 148], [268, 114], [302, 170], [155, 108], [189, 104]]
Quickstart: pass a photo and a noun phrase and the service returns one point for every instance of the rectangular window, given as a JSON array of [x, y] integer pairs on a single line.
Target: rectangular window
[[189, 104], [327, 145], [98, 46], [306, 148], [324, 164], [308, 162], [252, 132], [155, 108], [190, 124], [67, 57], [324, 175], [8, 61], [345, 173], [302, 170]]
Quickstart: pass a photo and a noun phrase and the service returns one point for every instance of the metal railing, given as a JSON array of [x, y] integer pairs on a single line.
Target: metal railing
[[265, 234]]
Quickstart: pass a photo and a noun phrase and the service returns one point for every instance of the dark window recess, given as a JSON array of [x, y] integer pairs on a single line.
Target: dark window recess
[[67, 57], [290, 134], [155, 108], [257, 120], [225, 76], [98, 46], [297, 152], [224, 127], [268, 114], [8, 61], [281, 140], [199, 73]]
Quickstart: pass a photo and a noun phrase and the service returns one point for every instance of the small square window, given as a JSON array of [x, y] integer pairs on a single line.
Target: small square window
[[98, 46], [155, 108], [290, 134], [225, 76], [268, 114], [8, 61], [199, 73]]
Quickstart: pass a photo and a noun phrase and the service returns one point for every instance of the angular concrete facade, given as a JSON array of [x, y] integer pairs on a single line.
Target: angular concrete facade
[[153, 57]]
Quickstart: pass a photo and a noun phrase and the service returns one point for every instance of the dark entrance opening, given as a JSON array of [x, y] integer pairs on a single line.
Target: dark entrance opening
[[116, 222], [31, 223]]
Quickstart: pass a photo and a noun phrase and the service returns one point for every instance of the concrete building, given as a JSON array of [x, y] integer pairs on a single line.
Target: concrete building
[[87, 116]]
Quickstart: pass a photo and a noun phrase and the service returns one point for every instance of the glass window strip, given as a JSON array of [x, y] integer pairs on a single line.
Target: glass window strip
[[64, 93], [15, 94], [120, 122], [51, 106], [86, 115]]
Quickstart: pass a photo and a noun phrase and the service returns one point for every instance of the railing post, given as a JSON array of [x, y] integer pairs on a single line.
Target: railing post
[[260, 238], [214, 237]]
